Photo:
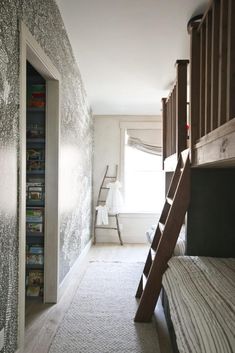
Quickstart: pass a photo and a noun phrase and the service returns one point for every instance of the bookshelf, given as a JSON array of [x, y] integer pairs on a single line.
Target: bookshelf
[[35, 182]]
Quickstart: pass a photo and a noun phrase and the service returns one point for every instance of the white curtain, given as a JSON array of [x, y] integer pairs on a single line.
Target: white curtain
[[145, 140]]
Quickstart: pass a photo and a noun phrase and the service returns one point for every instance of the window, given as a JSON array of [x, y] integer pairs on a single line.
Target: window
[[143, 177]]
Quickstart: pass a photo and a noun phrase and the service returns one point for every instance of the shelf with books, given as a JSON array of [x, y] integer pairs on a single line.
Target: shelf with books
[[35, 194], [35, 140], [36, 109], [34, 255], [34, 235], [34, 228], [34, 283], [36, 94], [34, 293], [34, 278], [34, 203], [32, 238], [35, 154], [36, 160], [35, 184], [34, 266], [34, 215], [35, 172]]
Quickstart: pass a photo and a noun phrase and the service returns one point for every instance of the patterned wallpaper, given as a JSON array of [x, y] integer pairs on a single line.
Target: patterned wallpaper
[[44, 21]]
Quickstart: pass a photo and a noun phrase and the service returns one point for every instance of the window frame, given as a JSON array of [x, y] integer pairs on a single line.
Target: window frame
[[124, 126]]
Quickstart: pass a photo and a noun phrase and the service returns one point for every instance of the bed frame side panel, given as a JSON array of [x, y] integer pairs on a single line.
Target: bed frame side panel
[[211, 217]]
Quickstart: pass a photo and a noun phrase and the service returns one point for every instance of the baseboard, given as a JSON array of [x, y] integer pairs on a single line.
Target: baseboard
[[77, 267], [126, 239]]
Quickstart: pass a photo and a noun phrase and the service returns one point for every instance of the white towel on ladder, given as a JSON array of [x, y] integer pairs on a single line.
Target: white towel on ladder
[[114, 201], [102, 215]]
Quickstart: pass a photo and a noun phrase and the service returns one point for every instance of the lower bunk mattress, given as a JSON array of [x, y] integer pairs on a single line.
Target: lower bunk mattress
[[201, 296], [180, 245]]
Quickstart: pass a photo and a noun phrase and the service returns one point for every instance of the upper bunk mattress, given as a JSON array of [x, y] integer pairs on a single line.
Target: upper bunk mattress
[[201, 295]]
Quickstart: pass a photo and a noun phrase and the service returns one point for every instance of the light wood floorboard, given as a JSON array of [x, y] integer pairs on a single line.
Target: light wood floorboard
[[43, 320]]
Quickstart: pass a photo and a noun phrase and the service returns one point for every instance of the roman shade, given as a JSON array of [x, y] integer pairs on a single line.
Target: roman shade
[[145, 140]]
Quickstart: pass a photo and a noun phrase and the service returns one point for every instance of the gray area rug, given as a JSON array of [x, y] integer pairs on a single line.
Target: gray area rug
[[100, 318]]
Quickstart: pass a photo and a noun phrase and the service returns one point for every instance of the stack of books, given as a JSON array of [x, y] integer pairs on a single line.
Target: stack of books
[[36, 96], [34, 255], [34, 283]]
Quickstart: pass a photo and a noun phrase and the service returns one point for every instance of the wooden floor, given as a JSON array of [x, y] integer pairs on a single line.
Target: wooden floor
[[42, 320]]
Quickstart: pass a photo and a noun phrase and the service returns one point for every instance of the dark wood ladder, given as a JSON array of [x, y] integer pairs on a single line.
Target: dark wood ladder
[[165, 238]]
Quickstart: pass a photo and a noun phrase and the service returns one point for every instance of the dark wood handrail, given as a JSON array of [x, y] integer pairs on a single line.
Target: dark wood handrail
[[174, 110]]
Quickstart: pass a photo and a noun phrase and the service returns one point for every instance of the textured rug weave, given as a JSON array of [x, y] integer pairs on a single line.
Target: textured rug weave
[[100, 318]]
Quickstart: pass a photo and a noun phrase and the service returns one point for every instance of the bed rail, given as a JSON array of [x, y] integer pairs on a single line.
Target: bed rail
[[174, 111], [212, 72]]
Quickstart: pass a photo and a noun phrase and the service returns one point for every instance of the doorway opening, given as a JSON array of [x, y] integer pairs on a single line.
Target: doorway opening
[[35, 183], [38, 184]]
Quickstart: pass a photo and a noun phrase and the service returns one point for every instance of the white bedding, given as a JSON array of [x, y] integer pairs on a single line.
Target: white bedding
[[180, 245]]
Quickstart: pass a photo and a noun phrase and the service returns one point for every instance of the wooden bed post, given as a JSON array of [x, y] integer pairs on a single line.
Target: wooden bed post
[[181, 106], [194, 86], [215, 64], [208, 63], [231, 63], [164, 122], [223, 62]]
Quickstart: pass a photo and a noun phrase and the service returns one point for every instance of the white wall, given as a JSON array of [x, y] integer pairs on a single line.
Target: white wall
[[107, 144]]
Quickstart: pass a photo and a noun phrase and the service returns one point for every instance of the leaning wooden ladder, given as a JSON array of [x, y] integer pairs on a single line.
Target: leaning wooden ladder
[[165, 238], [101, 200]]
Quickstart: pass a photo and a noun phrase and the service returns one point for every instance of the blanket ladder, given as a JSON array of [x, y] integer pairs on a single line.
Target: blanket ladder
[[165, 238], [101, 200]]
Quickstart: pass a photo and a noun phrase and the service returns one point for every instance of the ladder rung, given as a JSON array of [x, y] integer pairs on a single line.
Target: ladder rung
[[110, 215], [101, 200], [161, 226], [109, 177], [104, 187], [169, 200], [144, 280], [101, 227], [153, 253]]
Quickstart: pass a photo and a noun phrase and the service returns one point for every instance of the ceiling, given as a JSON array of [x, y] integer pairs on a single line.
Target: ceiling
[[126, 49]]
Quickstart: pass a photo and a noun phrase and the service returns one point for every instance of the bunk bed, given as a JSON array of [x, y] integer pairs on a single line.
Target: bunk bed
[[199, 288]]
